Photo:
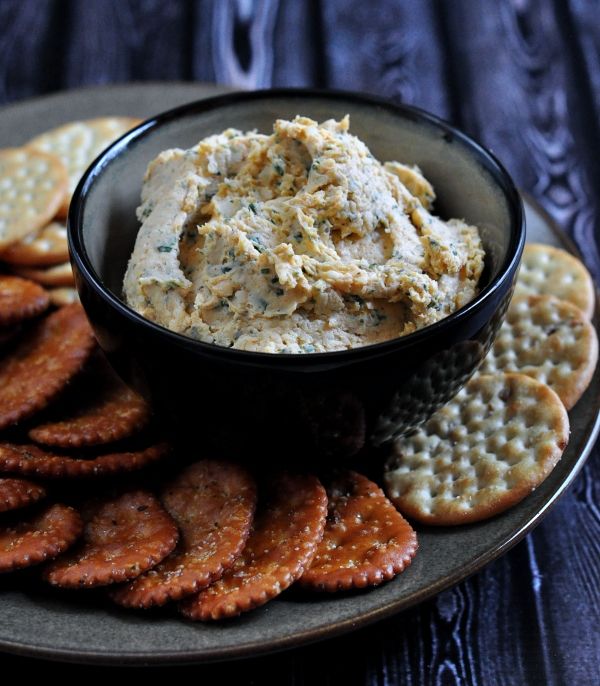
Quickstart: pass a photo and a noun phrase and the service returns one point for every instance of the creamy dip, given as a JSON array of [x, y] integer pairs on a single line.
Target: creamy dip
[[296, 242]]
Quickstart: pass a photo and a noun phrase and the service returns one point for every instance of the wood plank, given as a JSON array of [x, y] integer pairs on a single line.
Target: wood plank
[[518, 97], [391, 49], [28, 40]]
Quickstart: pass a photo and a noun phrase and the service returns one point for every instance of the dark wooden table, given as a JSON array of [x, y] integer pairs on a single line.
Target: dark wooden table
[[522, 76]]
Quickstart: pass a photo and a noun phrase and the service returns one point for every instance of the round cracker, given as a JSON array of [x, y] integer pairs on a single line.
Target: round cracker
[[33, 185], [122, 538], [44, 363], [15, 493], [366, 540], [483, 452], [60, 297], [58, 275], [282, 544], [212, 503], [30, 460], [550, 340], [20, 299], [546, 270], [111, 412], [78, 143], [41, 248], [40, 537]]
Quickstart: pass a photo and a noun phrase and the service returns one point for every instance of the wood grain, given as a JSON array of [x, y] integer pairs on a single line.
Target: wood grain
[[523, 76]]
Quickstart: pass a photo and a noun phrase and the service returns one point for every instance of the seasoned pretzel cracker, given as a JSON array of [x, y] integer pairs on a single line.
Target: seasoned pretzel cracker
[[366, 540], [282, 543], [213, 504]]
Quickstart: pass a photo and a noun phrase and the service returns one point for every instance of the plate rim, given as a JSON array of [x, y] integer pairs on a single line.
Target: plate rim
[[339, 627]]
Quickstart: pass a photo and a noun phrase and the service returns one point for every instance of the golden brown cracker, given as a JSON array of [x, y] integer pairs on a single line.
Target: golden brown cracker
[[78, 143], [546, 270], [550, 340], [33, 185], [62, 296], [483, 452], [55, 276], [41, 248]]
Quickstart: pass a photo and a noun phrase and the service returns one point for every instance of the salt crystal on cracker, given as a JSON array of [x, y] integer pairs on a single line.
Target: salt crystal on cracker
[[44, 363], [213, 504], [39, 537], [282, 544], [123, 537], [366, 540]]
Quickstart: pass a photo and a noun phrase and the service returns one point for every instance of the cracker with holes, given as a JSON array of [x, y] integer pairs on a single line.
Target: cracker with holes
[[31, 460], [55, 276], [213, 504], [78, 143], [106, 411], [546, 270], [42, 248], [16, 493], [495, 442], [20, 299], [550, 340], [366, 540], [33, 187], [123, 537], [44, 363], [39, 537], [282, 544]]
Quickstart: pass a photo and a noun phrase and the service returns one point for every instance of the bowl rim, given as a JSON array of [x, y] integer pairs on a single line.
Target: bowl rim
[[79, 255]]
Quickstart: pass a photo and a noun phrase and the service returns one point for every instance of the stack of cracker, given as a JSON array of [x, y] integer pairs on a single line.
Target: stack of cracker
[[80, 503], [502, 435], [36, 185]]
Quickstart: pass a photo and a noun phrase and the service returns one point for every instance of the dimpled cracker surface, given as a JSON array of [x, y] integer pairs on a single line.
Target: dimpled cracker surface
[[483, 452], [54, 276], [546, 270], [550, 340], [44, 247], [78, 143], [32, 189]]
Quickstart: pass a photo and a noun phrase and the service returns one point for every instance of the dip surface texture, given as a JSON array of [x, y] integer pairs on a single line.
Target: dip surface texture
[[296, 242]]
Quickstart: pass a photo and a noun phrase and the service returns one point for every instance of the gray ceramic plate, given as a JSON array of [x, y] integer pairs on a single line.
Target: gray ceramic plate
[[83, 628]]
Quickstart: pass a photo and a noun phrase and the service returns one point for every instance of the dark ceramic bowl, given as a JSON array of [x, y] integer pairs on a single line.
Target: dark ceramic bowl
[[322, 406]]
